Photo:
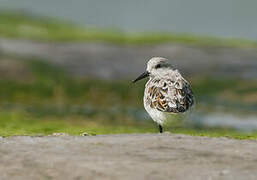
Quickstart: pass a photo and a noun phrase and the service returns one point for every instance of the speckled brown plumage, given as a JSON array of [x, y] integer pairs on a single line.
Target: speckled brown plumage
[[169, 97]]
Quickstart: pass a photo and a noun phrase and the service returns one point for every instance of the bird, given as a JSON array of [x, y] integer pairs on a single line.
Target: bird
[[166, 92]]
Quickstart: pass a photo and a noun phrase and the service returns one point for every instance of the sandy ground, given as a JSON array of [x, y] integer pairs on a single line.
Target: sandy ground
[[136, 156]]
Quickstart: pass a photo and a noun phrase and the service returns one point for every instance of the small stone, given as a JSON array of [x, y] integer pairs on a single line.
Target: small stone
[[167, 133], [224, 172], [85, 134], [60, 134]]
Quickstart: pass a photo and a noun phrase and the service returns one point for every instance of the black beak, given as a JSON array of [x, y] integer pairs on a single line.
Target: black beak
[[142, 76]]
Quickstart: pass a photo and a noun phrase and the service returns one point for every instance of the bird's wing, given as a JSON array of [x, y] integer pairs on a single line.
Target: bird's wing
[[172, 95]]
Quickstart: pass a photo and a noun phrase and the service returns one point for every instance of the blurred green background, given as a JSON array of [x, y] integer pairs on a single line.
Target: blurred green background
[[71, 72]]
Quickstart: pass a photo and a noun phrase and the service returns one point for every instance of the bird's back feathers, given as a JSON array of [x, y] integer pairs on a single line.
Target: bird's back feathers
[[169, 93]]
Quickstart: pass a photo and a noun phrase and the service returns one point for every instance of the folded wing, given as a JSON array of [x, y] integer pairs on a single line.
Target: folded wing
[[172, 95]]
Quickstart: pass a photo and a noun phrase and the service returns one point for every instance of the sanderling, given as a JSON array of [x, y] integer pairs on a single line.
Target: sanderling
[[166, 91]]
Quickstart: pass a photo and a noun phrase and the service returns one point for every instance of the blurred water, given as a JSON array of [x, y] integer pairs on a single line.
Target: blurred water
[[228, 18], [239, 122]]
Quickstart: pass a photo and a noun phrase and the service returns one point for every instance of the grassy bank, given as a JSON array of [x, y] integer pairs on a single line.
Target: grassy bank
[[22, 123], [15, 25], [46, 99]]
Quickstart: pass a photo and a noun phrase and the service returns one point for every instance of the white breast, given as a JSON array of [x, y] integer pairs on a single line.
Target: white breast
[[157, 116]]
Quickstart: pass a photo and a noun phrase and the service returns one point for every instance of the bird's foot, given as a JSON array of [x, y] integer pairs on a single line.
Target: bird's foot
[[160, 128]]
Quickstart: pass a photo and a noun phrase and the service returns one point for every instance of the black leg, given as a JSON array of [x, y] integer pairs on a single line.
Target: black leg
[[160, 128]]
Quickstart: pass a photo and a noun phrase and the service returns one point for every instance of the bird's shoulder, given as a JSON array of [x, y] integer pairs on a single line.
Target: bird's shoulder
[[170, 93]]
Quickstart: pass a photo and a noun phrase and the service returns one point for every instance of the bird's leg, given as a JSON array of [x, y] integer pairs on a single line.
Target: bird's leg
[[160, 128]]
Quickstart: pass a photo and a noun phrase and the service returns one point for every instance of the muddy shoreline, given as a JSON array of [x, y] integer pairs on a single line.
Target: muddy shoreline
[[109, 61]]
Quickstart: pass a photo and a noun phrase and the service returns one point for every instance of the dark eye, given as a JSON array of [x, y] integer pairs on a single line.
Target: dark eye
[[157, 66]]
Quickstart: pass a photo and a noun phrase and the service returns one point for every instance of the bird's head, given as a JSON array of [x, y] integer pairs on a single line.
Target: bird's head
[[155, 66]]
